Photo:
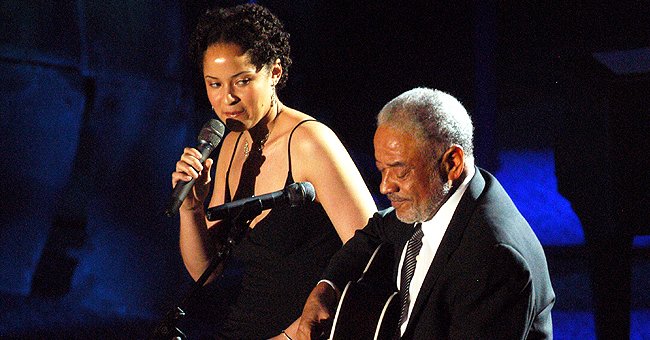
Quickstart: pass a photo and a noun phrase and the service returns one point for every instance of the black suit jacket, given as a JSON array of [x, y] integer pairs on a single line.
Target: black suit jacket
[[488, 280]]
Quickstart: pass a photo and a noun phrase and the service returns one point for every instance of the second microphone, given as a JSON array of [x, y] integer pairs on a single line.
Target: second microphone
[[294, 195]]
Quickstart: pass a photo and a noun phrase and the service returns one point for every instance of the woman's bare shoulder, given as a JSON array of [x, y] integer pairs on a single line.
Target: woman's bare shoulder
[[311, 130]]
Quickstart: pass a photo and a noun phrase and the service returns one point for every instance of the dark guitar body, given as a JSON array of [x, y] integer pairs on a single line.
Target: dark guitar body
[[370, 307]]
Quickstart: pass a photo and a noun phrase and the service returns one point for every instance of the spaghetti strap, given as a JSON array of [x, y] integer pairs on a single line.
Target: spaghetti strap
[[290, 174], [227, 197]]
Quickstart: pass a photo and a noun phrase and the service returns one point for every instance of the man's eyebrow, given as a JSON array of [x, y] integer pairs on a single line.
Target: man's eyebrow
[[393, 164]]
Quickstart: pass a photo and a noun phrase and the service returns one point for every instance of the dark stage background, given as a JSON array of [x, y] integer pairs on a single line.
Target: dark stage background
[[97, 100]]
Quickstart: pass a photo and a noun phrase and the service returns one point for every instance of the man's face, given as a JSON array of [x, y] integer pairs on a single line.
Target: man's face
[[410, 178]]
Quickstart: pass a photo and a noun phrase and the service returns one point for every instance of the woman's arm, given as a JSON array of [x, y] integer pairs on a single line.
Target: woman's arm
[[320, 158], [196, 245]]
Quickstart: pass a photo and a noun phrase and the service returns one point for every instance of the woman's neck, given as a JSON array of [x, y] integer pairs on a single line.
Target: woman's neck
[[264, 127]]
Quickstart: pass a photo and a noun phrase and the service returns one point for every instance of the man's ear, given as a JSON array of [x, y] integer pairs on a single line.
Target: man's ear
[[453, 162]]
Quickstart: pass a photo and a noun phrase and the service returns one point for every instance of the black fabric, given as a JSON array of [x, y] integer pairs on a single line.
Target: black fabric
[[273, 269]]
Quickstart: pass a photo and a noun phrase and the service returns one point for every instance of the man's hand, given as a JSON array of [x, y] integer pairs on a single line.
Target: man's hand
[[318, 312]]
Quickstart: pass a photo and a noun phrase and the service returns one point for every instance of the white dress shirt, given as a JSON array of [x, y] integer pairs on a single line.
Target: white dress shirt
[[433, 230]]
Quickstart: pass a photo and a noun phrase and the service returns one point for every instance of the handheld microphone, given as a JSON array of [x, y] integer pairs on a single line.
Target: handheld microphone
[[209, 137], [294, 195]]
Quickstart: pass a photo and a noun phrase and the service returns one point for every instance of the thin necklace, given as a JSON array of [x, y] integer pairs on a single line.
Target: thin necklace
[[259, 149]]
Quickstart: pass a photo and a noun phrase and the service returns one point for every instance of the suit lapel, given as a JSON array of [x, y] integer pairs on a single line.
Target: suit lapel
[[449, 243]]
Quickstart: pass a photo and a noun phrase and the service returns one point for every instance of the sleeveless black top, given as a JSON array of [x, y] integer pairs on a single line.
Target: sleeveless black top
[[275, 267]]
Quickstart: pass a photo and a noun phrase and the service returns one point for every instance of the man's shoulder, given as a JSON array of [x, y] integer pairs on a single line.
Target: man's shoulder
[[498, 222]]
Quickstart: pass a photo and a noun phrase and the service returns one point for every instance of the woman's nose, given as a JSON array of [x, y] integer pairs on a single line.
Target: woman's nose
[[230, 98]]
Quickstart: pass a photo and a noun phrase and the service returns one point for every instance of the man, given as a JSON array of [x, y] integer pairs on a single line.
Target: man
[[481, 272]]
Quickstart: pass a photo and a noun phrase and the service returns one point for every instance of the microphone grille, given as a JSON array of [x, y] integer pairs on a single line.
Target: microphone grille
[[212, 132], [300, 193]]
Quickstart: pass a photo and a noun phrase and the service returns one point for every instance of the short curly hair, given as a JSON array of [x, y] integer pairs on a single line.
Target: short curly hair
[[251, 26]]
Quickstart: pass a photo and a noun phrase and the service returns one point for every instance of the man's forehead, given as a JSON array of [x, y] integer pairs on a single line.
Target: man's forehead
[[394, 146]]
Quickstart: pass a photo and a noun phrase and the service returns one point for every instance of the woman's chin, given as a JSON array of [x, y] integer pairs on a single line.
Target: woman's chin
[[235, 125]]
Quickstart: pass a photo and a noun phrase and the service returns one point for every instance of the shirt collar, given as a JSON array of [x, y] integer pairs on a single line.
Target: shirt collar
[[446, 211]]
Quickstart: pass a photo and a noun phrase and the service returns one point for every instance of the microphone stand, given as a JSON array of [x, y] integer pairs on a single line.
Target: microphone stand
[[167, 328]]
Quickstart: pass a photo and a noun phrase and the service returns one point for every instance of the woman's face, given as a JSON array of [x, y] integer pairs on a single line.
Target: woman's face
[[239, 93]]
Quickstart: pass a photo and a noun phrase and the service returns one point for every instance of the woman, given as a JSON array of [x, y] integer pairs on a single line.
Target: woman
[[243, 53]]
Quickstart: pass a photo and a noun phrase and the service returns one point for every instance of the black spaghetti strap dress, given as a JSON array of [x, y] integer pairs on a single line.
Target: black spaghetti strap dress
[[275, 267]]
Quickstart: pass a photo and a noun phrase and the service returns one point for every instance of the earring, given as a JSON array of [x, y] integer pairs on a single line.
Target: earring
[[446, 188], [212, 107]]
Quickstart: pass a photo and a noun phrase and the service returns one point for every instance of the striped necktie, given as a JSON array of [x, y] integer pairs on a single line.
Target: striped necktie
[[408, 268]]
